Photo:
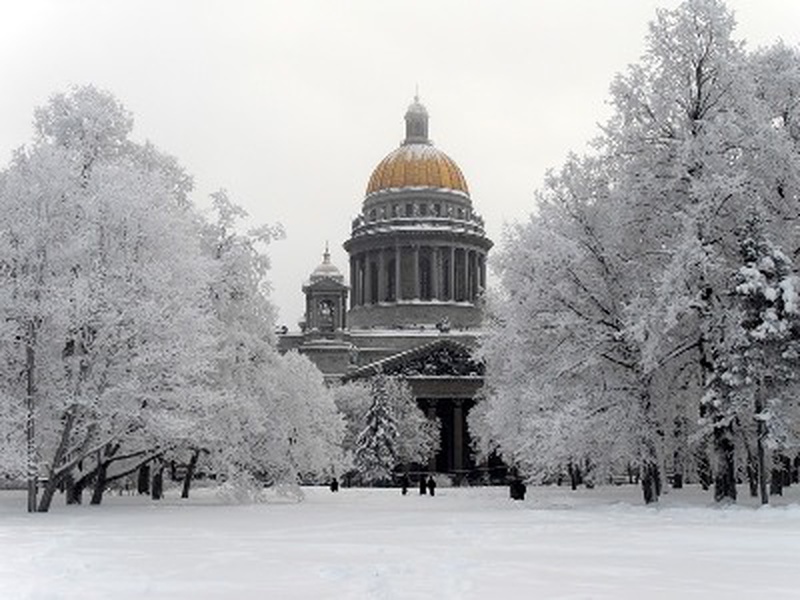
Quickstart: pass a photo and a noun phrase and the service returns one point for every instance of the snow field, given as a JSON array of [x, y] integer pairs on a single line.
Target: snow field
[[375, 543]]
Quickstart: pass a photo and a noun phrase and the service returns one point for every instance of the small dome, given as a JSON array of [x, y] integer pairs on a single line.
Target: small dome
[[417, 108], [326, 270], [417, 165]]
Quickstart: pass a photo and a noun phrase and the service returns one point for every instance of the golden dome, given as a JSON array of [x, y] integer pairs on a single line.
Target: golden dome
[[417, 165]]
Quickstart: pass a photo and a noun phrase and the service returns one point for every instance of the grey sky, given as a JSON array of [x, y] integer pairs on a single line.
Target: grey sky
[[290, 105]]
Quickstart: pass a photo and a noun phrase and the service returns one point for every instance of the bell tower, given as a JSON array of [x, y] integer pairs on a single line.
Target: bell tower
[[326, 298]]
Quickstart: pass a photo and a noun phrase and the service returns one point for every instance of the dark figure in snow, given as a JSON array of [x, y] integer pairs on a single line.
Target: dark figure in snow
[[404, 483], [334, 485], [422, 489], [431, 486], [517, 489]]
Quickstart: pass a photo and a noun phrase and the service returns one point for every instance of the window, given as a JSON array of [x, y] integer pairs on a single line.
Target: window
[[409, 209], [394, 211], [325, 311], [437, 210], [372, 215], [423, 209]]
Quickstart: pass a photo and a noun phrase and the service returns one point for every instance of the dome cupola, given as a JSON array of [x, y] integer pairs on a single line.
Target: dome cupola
[[326, 270], [416, 123]]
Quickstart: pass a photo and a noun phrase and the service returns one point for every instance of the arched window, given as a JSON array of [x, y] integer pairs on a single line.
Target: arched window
[[325, 313]]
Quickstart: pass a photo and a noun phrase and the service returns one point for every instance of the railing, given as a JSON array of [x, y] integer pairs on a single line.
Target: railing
[[474, 222]]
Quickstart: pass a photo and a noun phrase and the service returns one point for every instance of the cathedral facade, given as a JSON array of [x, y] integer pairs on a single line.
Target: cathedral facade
[[417, 271]]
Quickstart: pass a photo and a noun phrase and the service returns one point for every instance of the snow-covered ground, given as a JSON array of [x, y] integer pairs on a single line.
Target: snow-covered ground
[[361, 544]]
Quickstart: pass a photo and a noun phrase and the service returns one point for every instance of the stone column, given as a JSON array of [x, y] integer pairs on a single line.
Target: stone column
[[464, 274], [381, 275], [431, 412], [398, 255], [353, 282], [415, 271], [451, 275], [368, 299], [482, 271], [458, 435], [471, 294], [362, 273], [435, 292]]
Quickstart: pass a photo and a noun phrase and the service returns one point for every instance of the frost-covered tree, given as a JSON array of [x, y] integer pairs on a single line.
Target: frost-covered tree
[[305, 434], [103, 281], [376, 452], [271, 419], [417, 437], [564, 377], [612, 319], [135, 329], [693, 134], [756, 381], [352, 400]]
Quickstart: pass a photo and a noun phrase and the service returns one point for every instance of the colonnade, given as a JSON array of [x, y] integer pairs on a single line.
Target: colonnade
[[454, 454], [417, 272]]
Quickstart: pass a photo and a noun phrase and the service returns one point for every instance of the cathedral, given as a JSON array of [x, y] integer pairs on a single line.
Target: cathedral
[[417, 273]]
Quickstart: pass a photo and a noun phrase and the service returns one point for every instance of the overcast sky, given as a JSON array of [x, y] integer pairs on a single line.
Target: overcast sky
[[290, 105]]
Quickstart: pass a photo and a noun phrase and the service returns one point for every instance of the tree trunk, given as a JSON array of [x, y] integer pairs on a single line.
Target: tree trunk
[[104, 458], [187, 479], [677, 469], [776, 479], [679, 454], [74, 489], [157, 491], [786, 470], [143, 480], [99, 482], [704, 466], [30, 419], [55, 477], [725, 475], [752, 473], [775, 484], [762, 464], [574, 476]]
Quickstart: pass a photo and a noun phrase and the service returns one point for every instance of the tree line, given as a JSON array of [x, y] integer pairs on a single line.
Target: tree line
[[136, 332], [648, 315]]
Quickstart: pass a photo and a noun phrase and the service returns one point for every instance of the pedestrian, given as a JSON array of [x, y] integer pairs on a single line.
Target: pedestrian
[[422, 489], [334, 485], [431, 486], [517, 489], [404, 482]]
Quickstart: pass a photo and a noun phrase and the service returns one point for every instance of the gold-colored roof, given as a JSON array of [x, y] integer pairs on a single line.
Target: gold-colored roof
[[417, 165]]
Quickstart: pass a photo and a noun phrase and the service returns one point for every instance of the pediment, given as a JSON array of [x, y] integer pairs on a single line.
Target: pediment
[[441, 358]]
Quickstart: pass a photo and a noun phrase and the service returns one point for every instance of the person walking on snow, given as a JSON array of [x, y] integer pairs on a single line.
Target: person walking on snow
[[431, 486]]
